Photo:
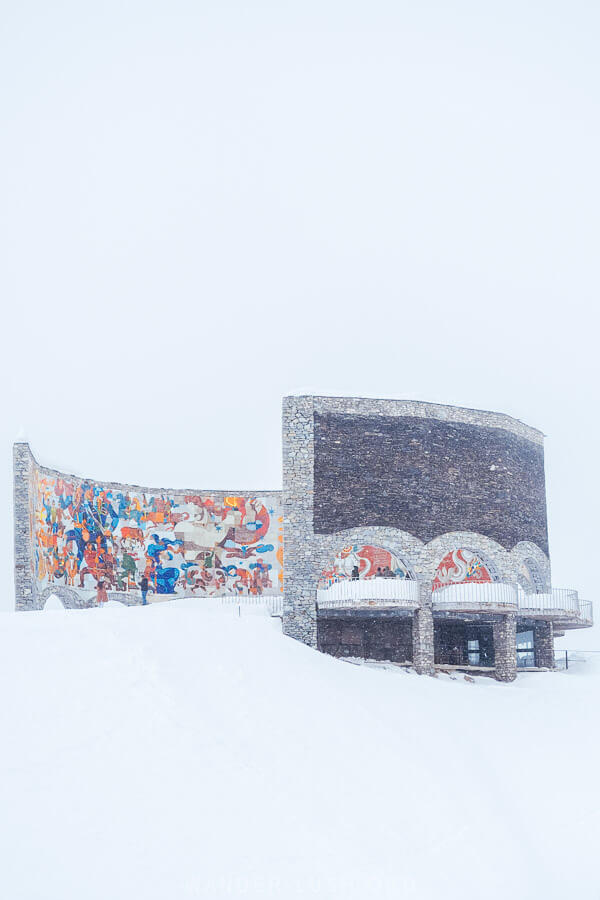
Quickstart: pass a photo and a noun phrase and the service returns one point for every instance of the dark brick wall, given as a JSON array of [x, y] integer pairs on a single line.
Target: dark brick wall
[[369, 638], [427, 477]]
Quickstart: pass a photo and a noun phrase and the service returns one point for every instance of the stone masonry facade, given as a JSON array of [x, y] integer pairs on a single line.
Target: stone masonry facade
[[31, 590], [428, 477], [25, 582], [420, 481]]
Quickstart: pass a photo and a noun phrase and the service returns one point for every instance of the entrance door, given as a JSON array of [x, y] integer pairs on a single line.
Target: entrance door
[[525, 649]]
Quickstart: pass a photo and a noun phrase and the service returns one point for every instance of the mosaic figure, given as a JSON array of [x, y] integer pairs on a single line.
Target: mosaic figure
[[370, 561], [460, 566], [86, 535]]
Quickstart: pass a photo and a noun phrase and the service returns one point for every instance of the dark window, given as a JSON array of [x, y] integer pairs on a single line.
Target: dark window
[[525, 649], [474, 655]]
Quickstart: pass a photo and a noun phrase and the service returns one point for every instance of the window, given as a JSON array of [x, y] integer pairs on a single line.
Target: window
[[473, 653], [525, 649]]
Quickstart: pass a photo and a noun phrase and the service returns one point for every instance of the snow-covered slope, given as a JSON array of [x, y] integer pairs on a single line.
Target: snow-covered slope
[[180, 750]]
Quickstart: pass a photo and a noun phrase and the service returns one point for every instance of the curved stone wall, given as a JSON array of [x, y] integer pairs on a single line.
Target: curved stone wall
[[422, 481], [429, 477], [73, 533], [436, 489]]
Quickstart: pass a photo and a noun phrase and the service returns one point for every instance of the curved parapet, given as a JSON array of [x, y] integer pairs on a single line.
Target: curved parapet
[[72, 534]]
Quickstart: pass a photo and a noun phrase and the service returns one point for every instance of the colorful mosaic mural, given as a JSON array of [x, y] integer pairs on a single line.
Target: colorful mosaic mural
[[460, 566], [86, 534], [370, 561]]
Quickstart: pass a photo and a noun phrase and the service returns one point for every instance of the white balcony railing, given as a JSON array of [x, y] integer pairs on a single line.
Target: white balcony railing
[[370, 592], [562, 603], [475, 595], [586, 612], [557, 600]]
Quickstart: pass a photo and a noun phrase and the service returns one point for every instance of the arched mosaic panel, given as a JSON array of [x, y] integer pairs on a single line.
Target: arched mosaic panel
[[461, 566], [370, 561]]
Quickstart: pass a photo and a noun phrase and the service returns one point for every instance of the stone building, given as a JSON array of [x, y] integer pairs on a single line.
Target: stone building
[[417, 533], [405, 531]]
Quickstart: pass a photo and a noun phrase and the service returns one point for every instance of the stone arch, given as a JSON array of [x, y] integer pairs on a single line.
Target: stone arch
[[532, 567], [464, 564], [69, 598], [368, 559], [535, 573], [403, 546], [493, 556]]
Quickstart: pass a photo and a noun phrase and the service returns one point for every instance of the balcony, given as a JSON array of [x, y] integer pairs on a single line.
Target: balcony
[[477, 597], [370, 592], [562, 604]]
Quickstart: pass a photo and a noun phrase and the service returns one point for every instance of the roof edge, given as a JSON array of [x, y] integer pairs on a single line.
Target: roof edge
[[421, 408], [124, 486]]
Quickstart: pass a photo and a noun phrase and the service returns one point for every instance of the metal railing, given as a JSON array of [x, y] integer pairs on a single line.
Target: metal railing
[[275, 605], [560, 602], [563, 603], [557, 601], [586, 612], [379, 592], [475, 595], [564, 659], [370, 592], [272, 602]]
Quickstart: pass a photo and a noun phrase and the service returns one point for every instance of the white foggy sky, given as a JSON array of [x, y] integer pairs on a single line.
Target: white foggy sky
[[207, 206]]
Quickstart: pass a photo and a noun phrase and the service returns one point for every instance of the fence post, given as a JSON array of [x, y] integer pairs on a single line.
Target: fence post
[[566, 659]]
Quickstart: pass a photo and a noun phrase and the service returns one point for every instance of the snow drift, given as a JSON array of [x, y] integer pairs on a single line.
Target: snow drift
[[180, 750]]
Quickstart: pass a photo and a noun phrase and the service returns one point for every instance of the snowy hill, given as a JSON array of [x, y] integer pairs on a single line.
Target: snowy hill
[[180, 750]]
